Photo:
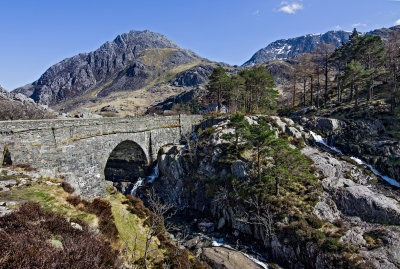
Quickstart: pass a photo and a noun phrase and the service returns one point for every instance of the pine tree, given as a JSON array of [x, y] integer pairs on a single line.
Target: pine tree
[[356, 77], [323, 59], [237, 92], [260, 136], [371, 53], [259, 93], [219, 85], [393, 65]]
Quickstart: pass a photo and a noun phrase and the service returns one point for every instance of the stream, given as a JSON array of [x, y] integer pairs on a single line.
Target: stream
[[214, 241], [149, 179], [319, 139], [187, 225]]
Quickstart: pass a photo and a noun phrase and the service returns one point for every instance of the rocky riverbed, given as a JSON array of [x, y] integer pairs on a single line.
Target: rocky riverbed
[[361, 209]]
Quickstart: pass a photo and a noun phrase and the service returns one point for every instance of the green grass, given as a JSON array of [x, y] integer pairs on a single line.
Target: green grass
[[51, 198], [129, 226]]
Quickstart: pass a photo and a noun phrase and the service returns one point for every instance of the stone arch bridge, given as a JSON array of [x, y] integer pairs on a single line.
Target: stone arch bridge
[[86, 151]]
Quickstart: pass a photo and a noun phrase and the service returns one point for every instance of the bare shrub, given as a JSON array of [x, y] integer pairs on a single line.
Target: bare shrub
[[67, 187], [27, 236], [26, 167], [74, 200], [136, 206], [102, 209]]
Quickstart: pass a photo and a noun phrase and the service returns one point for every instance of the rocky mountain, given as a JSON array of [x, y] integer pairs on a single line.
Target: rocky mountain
[[385, 33], [138, 60], [287, 48], [16, 106]]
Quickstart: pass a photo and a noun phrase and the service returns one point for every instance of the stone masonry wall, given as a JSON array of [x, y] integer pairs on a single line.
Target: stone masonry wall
[[78, 149]]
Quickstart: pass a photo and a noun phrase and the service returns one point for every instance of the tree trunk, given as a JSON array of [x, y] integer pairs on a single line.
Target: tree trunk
[[394, 91], [356, 95], [259, 163], [219, 99], [351, 93], [318, 88], [311, 92], [148, 243], [304, 93], [277, 186], [326, 82], [294, 94]]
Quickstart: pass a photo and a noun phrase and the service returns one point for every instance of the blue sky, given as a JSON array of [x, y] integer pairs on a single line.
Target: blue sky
[[37, 34]]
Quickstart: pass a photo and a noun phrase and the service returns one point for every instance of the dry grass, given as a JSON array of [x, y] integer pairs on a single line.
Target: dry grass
[[51, 198], [136, 102]]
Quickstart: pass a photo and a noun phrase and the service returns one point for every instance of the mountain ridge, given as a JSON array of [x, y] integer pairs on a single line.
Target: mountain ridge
[[130, 62], [286, 48]]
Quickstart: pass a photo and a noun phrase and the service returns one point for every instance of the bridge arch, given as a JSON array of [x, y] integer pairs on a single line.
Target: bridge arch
[[126, 162]]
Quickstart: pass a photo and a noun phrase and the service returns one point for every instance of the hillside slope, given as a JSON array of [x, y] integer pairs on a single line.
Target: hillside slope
[[16, 106], [134, 61]]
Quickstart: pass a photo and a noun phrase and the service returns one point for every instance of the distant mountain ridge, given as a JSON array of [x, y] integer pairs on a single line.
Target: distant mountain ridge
[[287, 48]]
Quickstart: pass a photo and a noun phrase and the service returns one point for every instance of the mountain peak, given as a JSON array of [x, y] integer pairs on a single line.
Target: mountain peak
[[128, 63], [146, 39], [286, 48]]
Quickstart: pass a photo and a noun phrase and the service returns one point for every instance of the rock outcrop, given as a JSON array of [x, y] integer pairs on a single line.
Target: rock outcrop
[[368, 211], [224, 258], [130, 62], [364, 139], [16, 106]]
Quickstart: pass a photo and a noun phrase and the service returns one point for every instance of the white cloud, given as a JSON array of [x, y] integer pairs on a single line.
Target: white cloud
[[255, 13], [290, 8], [359, 25], [337, 27], [397, 22]]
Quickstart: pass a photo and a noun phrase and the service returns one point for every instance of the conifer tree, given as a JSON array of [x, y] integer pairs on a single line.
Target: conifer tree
[[260, 136], [219, 85], [356, 77]]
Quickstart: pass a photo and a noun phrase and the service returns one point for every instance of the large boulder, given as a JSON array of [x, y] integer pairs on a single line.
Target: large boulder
[[224, 258], [326, 126]]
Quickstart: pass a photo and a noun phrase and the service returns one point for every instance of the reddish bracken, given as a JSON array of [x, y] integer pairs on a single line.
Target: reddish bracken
[[26, 238]]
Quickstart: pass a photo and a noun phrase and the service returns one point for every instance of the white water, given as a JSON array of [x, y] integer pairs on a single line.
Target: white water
[[155, 173], [321, 140], [149, 179], [215, 243], [136, 186], [376, 172]]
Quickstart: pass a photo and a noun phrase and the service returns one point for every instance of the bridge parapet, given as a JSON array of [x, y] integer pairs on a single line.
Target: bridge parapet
[[78, 149]]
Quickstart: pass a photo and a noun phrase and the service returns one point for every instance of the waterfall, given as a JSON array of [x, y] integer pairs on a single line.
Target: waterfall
[[376, 172], [155, 173], [149, 179], [321, 140], [136, 186]]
